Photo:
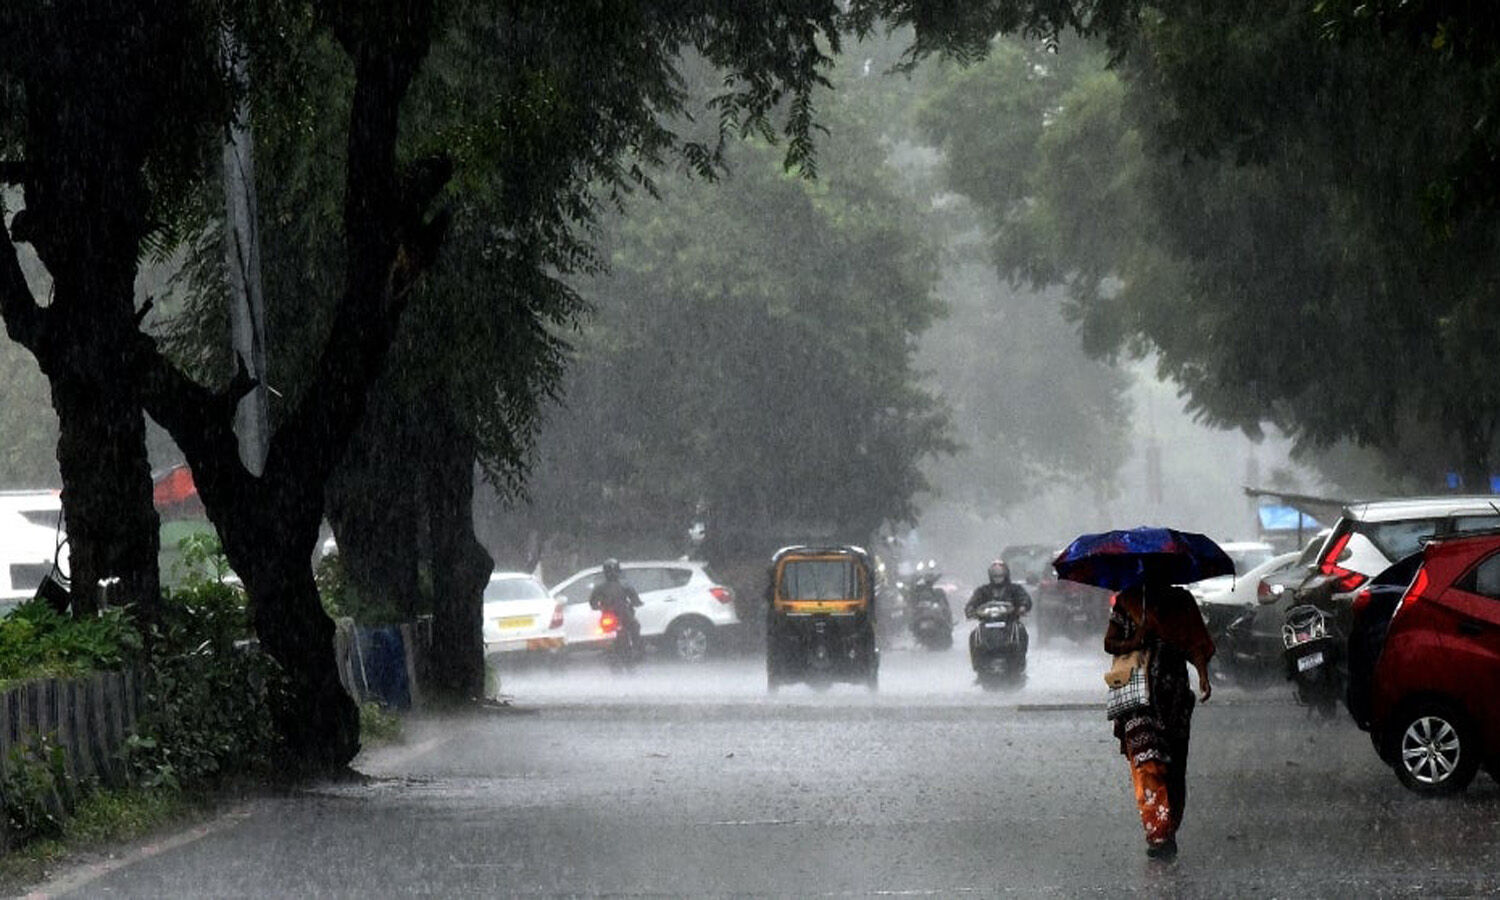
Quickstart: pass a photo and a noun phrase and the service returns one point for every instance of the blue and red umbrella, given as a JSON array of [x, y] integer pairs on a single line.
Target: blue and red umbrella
[[1116, 560]]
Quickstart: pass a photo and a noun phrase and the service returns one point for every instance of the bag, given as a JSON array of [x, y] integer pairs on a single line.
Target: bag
[[1129, 684]]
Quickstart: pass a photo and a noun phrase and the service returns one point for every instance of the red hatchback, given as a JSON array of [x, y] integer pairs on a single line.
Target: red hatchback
[[1436, 699]]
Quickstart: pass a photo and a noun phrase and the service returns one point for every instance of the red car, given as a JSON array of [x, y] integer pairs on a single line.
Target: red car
[[1435, 712]]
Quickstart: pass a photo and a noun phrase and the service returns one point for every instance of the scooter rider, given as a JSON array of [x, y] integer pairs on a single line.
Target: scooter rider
[[615, 595], [999, 588]]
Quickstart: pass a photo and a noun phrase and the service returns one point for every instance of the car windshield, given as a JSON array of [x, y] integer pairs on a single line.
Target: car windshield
[[1248, 558], [819, 579], [508, 589]]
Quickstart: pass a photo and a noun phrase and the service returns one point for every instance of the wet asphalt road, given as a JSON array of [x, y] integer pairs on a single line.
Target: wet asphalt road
[[689, 781]]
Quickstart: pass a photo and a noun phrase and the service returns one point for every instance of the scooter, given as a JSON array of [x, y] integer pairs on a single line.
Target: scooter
[[931, 619], [1314, 657], [997, 645], [625, 651]]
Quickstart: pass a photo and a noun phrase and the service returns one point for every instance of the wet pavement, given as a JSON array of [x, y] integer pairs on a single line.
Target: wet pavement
[[690, 781]]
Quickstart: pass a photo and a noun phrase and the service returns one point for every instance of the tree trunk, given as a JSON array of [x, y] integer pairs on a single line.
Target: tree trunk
[[268, 544], [113, 528], [460, 565], [374, 509]]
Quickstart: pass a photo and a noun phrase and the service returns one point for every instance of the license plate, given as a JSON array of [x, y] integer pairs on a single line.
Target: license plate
[[1310, 661], [516, 621]]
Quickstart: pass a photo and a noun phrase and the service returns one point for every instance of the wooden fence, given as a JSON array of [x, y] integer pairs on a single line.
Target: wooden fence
[[89, 718]]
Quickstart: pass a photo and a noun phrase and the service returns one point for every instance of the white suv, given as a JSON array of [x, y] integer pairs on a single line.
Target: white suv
[[683, 608], [1374, 534]]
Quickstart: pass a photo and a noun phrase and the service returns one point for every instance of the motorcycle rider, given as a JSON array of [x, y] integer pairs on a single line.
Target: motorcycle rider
[[615, 595], [1000, 587]]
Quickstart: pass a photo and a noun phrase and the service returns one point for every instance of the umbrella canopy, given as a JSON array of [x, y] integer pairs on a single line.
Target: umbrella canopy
[[1120, 559]]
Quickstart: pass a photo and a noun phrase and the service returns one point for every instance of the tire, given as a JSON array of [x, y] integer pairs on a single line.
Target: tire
[[1434, 749], [690, 639]]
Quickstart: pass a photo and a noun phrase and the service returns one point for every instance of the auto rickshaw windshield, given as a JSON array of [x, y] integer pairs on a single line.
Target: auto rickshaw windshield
[[820, 579]]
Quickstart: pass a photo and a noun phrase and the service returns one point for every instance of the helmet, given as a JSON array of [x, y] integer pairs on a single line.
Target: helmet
[[611, 570], [999, 572]]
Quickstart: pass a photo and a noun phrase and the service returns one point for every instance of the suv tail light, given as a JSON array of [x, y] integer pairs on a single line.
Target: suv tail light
[[1347, 580], [722, 594], [557, 617], [1413, 593], [1344, 580]]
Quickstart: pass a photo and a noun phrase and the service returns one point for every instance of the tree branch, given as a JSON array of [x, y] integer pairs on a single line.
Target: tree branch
[[25, 321], [200, 420]]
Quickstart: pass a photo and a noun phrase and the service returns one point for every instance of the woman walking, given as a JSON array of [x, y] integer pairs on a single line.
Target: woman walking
[[1164, 621]]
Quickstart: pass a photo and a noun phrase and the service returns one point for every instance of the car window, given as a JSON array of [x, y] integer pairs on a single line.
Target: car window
[[1398, 539], [676, 578], [508, 589], [646, 579], [28, 576], [578, 591], [1483, 579], [1475, 523]]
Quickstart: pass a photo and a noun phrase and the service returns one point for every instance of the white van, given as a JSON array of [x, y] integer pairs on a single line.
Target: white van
[[30, 533]]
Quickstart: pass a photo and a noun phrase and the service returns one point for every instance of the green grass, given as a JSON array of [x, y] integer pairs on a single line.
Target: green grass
[[102, 818]]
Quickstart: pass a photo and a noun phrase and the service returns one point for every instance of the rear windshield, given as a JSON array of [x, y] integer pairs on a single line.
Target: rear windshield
[[1398, 539], [514, 589], [1247, 559], [819, 579]]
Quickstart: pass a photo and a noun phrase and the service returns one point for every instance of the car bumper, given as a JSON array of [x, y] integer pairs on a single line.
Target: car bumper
[[546, 644]]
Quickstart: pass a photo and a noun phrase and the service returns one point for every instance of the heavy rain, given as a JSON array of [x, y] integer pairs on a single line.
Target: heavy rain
[[811, 448]]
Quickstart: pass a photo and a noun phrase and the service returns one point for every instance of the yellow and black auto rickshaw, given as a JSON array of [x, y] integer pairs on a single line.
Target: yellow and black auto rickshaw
[[820, 622]]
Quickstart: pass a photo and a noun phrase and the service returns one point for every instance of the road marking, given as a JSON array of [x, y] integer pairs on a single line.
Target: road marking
[[73, 881]]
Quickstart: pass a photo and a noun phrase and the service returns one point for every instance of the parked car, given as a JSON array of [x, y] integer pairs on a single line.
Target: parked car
[[1245, 555], [1435, 712], [1227, 598], [685, 612], [31, 540], [1370, 536], [520, 616], [1371, 610]]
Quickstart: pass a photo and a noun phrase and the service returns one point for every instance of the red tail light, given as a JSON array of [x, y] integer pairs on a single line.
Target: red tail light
[[1348, 581], [1361, 600], [608, 622], [1331, 556], [1418, 585], [723, 595], [1262, 590], [557, 617]]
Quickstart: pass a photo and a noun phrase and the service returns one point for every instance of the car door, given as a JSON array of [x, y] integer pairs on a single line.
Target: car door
[[650, 582], [580, 623], [1473, 625]]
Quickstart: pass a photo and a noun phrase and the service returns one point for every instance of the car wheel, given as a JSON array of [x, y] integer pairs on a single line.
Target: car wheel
[[1435, 750], [690, 640]]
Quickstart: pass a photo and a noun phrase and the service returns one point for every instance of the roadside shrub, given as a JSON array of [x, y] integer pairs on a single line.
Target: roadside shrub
[[378, 725], [35, 790], [38, 642], [210, 691]]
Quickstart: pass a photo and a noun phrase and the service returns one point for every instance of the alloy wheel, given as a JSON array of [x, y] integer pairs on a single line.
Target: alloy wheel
[[690, 641], [1431, 750]]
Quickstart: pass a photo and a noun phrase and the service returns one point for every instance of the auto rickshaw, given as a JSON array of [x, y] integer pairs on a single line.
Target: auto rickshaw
[[820, 621]]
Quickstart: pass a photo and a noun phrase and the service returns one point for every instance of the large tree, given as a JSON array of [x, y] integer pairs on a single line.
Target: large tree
[[1252, 203], [110, 113]]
